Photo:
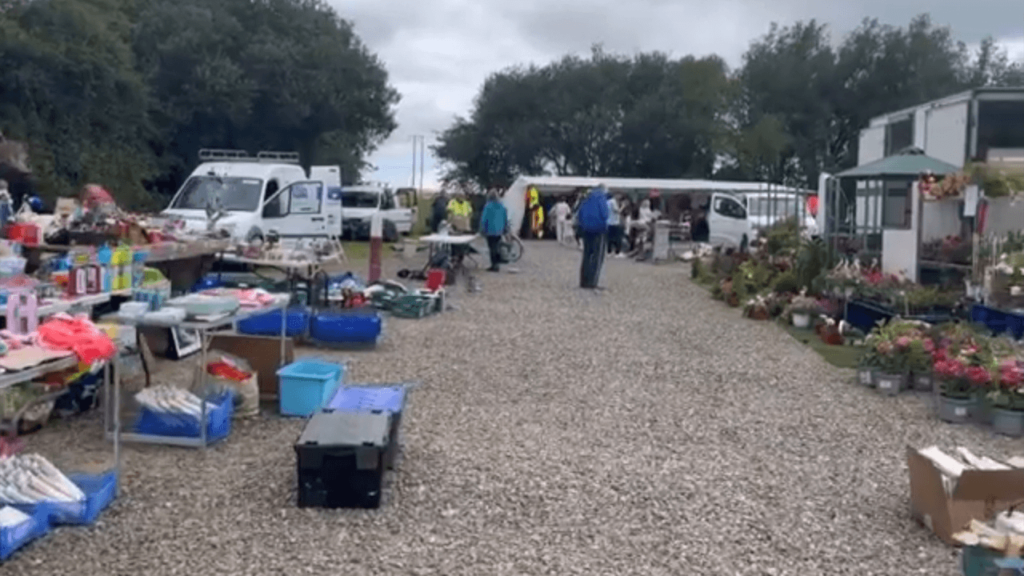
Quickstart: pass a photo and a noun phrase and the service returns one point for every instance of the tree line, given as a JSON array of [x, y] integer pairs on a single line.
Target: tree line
[[793, 109], [126, 92]]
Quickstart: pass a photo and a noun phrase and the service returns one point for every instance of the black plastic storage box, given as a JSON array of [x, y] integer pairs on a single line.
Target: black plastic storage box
[[341, 458]]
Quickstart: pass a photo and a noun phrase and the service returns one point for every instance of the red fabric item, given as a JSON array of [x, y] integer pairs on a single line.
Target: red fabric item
[[227, 371], [435, 279], [982, 216], [79, 335]]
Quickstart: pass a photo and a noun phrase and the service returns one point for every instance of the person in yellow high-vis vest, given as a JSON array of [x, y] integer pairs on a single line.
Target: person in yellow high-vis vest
[[460, 213], [536, 212]]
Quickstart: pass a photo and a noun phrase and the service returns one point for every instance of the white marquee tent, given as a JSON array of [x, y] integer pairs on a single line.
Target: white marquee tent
[[515, 197]]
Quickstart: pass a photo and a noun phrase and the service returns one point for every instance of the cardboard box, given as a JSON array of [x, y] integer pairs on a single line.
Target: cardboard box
[[978, 495]]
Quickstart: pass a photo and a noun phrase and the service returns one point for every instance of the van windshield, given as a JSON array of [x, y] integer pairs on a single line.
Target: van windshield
[[235, 194], [357, 199]]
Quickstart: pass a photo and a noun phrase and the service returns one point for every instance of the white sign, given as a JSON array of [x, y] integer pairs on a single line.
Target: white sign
[[971, 201]]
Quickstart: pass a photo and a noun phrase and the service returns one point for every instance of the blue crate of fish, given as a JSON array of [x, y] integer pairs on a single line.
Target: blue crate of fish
[[354, 326], [218, 421], [269, 324], [100, 490], [306, 385], [12, 538]]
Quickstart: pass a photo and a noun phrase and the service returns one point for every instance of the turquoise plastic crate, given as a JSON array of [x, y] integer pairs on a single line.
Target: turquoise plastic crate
[[305, 386]]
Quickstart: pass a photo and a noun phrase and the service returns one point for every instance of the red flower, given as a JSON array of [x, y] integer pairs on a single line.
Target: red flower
[[950, 368], [978, 375], [928, 345]]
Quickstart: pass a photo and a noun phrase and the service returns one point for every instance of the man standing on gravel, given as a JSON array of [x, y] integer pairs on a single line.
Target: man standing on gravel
[[593, 222]]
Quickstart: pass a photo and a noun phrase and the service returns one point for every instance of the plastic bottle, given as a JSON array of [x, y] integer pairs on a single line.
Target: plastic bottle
[[103, 258]]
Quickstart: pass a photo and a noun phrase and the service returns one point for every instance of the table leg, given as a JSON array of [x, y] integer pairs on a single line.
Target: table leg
[[117, 418], [284, 332], [203, 345], [108, 400]]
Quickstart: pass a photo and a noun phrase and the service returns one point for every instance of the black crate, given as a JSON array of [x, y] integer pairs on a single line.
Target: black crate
[[341, 458]]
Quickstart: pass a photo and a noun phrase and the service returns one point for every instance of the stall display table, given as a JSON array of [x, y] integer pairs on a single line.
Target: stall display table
[[205, 329], [443, 243], [295, 271]]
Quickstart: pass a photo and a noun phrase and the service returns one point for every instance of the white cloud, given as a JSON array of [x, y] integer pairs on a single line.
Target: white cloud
[[438, 52]]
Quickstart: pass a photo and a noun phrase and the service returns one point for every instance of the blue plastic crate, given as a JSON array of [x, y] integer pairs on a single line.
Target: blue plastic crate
[[100, 491], [865, 316], [359, 398], [357, 326], [218, 421], [305, 386], [269, 324], [993, 319], [13, 538]]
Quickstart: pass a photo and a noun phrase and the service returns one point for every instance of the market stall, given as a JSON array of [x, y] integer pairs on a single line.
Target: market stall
[[180, 417]]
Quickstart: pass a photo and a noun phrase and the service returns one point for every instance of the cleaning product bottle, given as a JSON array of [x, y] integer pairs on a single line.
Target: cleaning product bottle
[[103, 257]]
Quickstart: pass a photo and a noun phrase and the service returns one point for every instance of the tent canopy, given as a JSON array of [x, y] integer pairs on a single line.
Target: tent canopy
[[907, 163], [515, 197]]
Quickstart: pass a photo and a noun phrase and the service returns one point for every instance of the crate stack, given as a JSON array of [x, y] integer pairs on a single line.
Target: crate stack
[[346, 447]]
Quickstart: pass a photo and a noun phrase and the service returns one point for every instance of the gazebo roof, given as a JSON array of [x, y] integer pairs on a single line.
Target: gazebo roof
[[907, 163]]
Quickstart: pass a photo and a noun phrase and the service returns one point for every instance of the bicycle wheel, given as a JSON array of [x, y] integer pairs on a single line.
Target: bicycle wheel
[[513, 250]]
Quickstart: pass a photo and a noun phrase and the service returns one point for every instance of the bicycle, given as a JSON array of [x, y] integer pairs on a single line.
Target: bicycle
[[510, 248]]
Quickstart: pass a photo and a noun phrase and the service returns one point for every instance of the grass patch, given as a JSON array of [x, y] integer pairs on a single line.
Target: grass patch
[[838, 356]]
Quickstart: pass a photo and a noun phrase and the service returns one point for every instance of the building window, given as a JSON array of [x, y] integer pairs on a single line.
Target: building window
[[897, 210], [1000, 125], [899, 135]]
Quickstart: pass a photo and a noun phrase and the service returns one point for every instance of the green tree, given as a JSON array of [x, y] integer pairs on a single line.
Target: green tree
[[649, 116]]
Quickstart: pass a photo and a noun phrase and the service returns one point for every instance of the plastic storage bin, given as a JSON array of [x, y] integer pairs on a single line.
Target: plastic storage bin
[[269, 324], [993, 319], [99, 490], [865, 315], [341, 457], [357, 326], [305, 386], [362, 398], [218, 421], [14, 537]]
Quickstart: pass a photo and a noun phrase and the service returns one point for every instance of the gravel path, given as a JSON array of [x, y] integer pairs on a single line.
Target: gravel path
[[642, 430]]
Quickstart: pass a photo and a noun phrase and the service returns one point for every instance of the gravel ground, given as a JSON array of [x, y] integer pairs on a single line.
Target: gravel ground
[[641, 430]]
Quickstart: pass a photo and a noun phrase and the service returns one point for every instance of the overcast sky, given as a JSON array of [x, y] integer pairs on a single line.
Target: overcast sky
[[438, 52]]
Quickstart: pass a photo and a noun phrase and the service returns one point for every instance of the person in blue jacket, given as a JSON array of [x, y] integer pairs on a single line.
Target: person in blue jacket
[[493, 222], [593, 223]]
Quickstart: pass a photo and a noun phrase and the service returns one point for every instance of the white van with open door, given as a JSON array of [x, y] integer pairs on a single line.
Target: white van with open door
[[257, 194], [361, 202], [728, 225]]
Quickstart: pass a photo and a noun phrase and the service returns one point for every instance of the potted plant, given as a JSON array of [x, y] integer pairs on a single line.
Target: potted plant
[[1006, 399], [961, 365], [920, 363], [801, 309], [867, 367], [892, 370]]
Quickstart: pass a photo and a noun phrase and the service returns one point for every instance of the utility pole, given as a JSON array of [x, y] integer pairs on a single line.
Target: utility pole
[[413, 183], [423, 146]]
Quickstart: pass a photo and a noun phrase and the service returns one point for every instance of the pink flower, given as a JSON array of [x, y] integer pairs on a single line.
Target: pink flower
[[1012, 378], [902, 342], [884, 348], [928, 345], [978, 375]]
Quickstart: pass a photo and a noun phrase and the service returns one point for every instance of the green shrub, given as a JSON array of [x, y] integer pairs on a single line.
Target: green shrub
[[786, 283]]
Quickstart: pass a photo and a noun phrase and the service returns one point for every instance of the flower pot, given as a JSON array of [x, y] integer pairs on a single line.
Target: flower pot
[[801, 320], [923, 382], [866, 377], [956, 410], [1007, 422], [890, 384]]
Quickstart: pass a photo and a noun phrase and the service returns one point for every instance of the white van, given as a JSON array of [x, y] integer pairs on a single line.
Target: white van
[[765, 209], [361, 202], [269, 192], [728, 225]]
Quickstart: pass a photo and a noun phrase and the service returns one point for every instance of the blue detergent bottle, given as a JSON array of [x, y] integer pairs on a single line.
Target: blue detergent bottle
[[103, 257]]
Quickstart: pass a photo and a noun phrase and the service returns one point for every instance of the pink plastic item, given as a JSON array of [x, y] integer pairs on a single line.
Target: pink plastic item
[[79, 335], [22, 312]]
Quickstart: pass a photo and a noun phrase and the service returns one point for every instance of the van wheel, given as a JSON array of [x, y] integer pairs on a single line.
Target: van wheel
[[744, 244]]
